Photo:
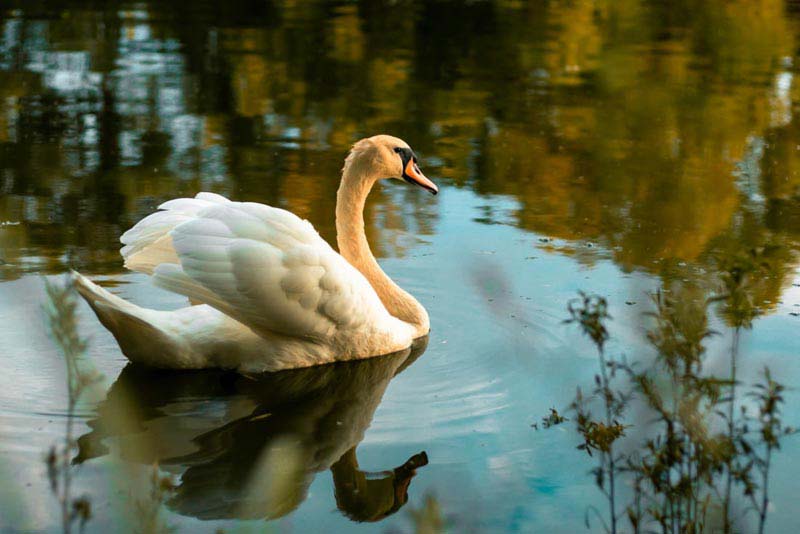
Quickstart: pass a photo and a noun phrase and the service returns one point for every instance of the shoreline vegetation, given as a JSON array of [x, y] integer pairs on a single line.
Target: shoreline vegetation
[[703, 460], [147, 489]]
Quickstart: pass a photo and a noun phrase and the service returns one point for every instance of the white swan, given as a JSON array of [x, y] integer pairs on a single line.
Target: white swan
[[269, 292]]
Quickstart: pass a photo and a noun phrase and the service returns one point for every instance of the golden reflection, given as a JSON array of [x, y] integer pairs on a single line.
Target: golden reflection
[[250, 446], [651, 132], [251, 72], [347, 40]]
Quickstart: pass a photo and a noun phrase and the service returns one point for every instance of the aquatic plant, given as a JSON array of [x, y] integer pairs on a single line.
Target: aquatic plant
[[768, 430], [675, 470], [552, 419], [739, 310], [148, 509], [699, 448], [60, 312], [590, 312], [62, 323], [428, 518]]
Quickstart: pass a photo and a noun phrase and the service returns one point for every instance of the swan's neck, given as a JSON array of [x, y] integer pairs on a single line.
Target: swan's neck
[[353, 246]]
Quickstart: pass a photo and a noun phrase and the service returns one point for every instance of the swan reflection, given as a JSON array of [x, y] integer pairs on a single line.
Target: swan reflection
[[249, 447]]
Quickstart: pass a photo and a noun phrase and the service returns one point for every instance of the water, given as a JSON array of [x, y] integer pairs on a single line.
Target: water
[[611, 147]]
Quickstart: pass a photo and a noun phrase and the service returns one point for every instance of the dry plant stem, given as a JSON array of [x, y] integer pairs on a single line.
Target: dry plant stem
[[591, 314], [66, 489], [771, 430], [762, 512], [637, 496], [607, 400], [726, 513], [688, 464], [66, 493], [62, 323]]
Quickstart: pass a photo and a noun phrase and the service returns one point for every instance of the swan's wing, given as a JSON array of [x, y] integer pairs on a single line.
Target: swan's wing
[[149, 242], [263, 266]]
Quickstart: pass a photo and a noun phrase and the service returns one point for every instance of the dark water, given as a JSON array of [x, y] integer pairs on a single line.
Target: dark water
[[615, 147]]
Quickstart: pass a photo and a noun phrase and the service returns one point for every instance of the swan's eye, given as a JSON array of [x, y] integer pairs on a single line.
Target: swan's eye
[[398, 150]]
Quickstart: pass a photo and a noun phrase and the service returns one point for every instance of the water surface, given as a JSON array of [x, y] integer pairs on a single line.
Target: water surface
[[614, 147]]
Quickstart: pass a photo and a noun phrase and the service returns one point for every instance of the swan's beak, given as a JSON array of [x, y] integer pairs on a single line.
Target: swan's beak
[[413, 175]]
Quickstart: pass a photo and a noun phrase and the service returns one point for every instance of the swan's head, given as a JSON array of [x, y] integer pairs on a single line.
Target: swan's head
[[384, 156]]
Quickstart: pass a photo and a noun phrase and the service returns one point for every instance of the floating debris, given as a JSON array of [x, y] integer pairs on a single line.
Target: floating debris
[[553, 419]]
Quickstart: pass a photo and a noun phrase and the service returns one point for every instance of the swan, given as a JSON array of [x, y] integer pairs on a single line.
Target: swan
[[266, 291]]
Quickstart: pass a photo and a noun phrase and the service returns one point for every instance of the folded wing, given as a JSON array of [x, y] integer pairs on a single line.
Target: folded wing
[[263, 266]]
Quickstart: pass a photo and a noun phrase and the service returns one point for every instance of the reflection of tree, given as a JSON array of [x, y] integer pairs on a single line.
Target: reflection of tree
[[644, 159], [249, 447], [624, 123]]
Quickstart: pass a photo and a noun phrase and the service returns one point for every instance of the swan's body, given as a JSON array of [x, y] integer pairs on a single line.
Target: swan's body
[[270, 293]]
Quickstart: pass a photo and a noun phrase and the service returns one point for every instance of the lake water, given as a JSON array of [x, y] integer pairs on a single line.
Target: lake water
[[612, 147]]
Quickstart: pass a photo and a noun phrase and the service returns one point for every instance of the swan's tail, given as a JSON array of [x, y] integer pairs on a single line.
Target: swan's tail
[[140, 340]]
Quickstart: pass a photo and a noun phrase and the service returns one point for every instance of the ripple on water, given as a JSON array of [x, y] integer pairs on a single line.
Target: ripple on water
[[437, 400], [33, 407], [465, 381]]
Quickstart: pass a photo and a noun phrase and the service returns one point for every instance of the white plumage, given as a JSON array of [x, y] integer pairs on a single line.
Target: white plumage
[[266, 268], [270, 293]]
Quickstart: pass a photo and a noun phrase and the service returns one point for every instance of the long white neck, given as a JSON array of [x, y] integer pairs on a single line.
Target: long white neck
[[353, 246]]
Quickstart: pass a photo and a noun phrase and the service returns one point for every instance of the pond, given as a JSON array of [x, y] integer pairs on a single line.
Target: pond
[[612, 147]]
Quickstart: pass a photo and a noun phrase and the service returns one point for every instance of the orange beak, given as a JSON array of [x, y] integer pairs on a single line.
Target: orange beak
[[413, 175]]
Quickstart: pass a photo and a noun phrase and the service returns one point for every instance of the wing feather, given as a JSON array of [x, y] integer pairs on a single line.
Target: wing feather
[[261, 265]]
